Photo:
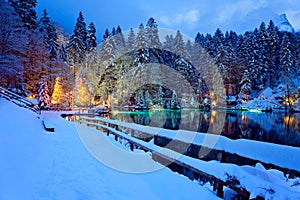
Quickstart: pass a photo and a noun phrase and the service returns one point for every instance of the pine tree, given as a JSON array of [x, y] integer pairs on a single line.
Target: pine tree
[[152, 34], [43, 95], [57, 95], [179, 46], [26, 11], [143, 56], [217, 40], [76, 48], [189, 50], [297, 56], [169, 43], [91, 38], [120, 41], [174, 101], [109, 75], [92, 72], [286, 63], [36, 61], [273, 54], [131, 40], [106, 34], [148, 100], [140, 99], [12, 53], [263, 67], [159, 98], [113, 31], [246, 83], [140, 41], [50, 37], [82, 96]]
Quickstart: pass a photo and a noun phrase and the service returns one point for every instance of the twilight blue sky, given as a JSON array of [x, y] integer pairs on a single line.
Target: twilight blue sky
[[189, 16]]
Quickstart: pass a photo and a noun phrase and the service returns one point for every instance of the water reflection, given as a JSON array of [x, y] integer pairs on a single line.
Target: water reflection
[[273, 127]]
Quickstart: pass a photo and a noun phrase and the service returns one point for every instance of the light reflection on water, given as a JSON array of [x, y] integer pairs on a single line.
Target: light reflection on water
[[273, 127]]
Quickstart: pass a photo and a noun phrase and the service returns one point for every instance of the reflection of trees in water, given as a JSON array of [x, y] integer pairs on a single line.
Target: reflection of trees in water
[[231, 128], [276, 128], [142, 118], [173, 119], [269, 127]]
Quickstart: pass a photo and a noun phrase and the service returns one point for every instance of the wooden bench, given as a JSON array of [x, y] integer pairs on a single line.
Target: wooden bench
[[48, 126]]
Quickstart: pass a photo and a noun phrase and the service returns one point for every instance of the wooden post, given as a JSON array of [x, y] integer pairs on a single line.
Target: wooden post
[[219, 188], [131, 146]]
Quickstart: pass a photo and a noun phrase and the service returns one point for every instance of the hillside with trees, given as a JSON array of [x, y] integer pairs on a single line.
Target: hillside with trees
[[35, 52]]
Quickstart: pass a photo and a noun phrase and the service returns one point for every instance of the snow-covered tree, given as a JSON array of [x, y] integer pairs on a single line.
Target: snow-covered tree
[[50, 36], [108, 70], [120, 41], [169, 43], [106, 34], [152, 35], [36, 61], [286, 63], [273, 53], [148, 99], [76, 48], [297, 55], [26, 11], [179, 46], [57, 97], [131, 40], [159, 97], [81, 93], [246, 83], [140, 41], [12, 53], [174, 101], [140, 100], [189, 50], [43, 95], [91, 38], [263, 67], [91, 71]]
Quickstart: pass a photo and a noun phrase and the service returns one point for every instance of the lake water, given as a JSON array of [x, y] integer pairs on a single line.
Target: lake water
[[275, 127]]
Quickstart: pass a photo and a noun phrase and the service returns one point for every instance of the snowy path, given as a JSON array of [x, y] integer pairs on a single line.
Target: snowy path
[[36, 164]]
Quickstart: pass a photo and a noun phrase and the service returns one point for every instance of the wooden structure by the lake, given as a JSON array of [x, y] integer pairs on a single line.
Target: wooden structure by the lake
[[18, 100], [137, 140]]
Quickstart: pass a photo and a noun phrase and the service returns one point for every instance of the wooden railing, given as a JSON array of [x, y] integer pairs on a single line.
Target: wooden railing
[[18, 100], [140, 140]]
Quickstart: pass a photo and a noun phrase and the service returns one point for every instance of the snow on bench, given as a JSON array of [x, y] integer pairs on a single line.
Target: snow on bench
[[48, 126]]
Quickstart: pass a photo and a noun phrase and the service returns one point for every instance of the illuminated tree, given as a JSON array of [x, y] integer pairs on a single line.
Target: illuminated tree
[[43, 96], [82, 96], [57, 96]]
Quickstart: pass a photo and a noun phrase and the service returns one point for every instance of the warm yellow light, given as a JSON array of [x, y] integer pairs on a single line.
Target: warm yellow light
[[214, 113], [82, 97], [244, 117], [214, 103], [31, 97], [57, 96]]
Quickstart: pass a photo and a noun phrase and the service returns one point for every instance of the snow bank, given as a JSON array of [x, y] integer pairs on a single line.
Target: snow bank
[[36, 164], [266, 100]]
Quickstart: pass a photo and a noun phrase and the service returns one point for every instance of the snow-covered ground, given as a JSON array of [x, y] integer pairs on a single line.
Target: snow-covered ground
[[271, 184], [35, 164]]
